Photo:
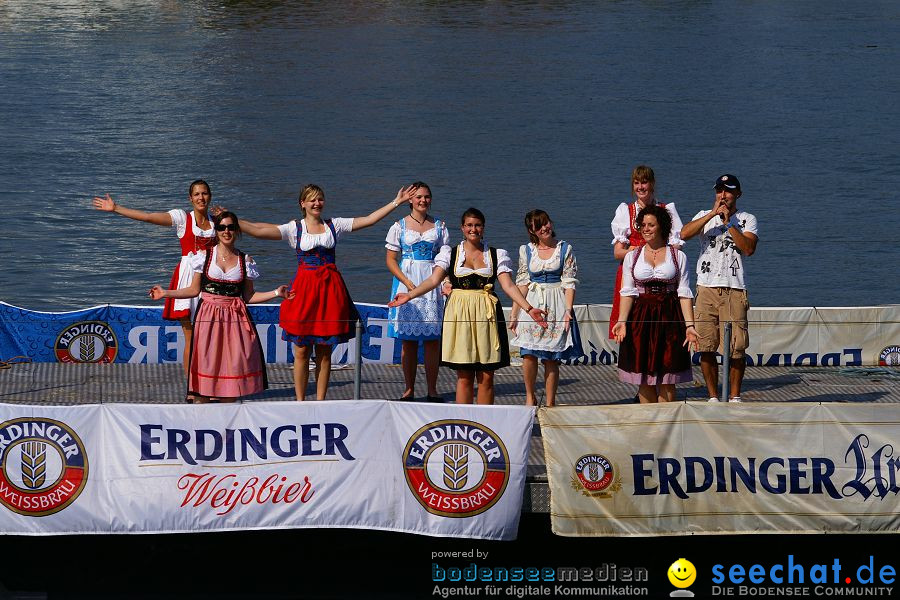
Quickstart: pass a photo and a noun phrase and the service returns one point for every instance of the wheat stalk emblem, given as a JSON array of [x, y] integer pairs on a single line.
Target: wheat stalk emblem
[[86, 348], [593, 472], [456, 466], [34, 464]]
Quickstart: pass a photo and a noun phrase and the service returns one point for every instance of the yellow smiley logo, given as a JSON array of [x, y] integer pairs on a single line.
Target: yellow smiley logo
[[682, 573]]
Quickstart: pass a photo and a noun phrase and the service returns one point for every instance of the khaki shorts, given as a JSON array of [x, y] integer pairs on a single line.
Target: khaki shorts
[[715, 306]]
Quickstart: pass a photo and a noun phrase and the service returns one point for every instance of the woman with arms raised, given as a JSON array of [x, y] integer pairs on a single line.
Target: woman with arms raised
[[195, 234], [321, 313]]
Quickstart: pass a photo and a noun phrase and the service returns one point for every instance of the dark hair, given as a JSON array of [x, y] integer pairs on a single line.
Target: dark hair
[[535, 219], [420, 184], [472, 212], [662, 217], [224, 215], [416, 185], [199, 182]]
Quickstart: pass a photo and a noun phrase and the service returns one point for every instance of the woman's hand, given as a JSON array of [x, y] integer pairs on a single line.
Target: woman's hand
[[513, 324], [567, 320], [619, 331], [539, 316], [399, 299], [446, 288], [106, 204], [283, 291], [405, 195], [215, 210], [157, 293], [691, 339]]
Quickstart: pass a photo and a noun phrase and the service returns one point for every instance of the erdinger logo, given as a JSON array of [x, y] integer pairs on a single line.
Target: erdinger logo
[[889, 357], [456, 468], [43, 466], [86, 342], [596, 476]]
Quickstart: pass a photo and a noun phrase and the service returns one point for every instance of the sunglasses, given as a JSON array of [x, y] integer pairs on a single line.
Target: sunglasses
[[228, 227]]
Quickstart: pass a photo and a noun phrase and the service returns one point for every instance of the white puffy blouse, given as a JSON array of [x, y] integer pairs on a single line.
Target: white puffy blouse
[[504, 264], [216, 272], [644, 271], [308, 241]]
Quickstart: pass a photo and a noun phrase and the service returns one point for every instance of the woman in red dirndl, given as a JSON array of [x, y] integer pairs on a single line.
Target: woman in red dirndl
[[195, 234], [627, 236], [321, 313]]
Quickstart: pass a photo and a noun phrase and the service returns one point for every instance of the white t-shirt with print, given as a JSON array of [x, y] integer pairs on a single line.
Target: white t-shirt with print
[[721, 262]]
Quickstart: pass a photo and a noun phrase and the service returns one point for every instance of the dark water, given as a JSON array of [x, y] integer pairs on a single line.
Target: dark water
[[502, 105]]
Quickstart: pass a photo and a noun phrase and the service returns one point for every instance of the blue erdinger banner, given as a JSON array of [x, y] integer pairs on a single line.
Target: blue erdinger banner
[[684, 468], [441, 470], [139, 334]]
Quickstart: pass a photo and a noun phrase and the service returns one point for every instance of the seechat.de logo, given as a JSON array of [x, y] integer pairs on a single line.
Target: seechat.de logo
[[86, 342], [456, 468], [43, 466]]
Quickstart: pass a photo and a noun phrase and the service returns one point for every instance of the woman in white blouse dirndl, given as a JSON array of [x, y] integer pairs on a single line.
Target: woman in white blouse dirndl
[[547, 277], [655, 324], [227, 359], [473, 340], [415, 240], [321, 314]]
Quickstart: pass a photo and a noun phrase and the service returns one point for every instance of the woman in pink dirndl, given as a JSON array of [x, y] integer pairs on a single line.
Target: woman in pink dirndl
[[227, 360]]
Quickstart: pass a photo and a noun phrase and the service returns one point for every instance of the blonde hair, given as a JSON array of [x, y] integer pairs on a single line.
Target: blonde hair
[[644, 174], [309, 192]]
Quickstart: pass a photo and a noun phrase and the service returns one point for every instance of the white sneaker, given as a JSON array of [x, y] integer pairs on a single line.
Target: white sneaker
[[735, 399], [713, 399]]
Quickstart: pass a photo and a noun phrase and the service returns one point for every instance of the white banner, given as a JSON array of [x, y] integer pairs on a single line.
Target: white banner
[[442, 470], [782, 337], [676, 469]]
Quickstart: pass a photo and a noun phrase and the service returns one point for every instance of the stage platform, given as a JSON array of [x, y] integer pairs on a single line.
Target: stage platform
[[70, 384]]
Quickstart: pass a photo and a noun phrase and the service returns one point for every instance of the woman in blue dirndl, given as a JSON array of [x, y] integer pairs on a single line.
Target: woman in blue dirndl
[[415, 240], [547, 278]]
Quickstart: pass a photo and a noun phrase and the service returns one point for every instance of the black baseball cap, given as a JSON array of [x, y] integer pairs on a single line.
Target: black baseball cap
[[729, 182]]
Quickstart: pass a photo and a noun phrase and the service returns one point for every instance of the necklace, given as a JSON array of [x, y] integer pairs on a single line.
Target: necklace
[[224, 258], [654, 253], [422, 222]]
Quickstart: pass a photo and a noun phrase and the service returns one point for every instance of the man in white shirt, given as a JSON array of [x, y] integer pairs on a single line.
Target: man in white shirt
[[727, 235]]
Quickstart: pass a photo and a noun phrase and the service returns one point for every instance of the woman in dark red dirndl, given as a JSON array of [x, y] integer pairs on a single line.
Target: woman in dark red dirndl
[[321, 313], [655, 323], [626, 235]]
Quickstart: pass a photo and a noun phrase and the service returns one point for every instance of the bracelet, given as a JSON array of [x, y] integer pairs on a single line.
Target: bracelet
[[395, 203]]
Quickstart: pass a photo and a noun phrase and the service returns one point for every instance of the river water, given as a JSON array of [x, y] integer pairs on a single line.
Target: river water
[[506, 106]]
